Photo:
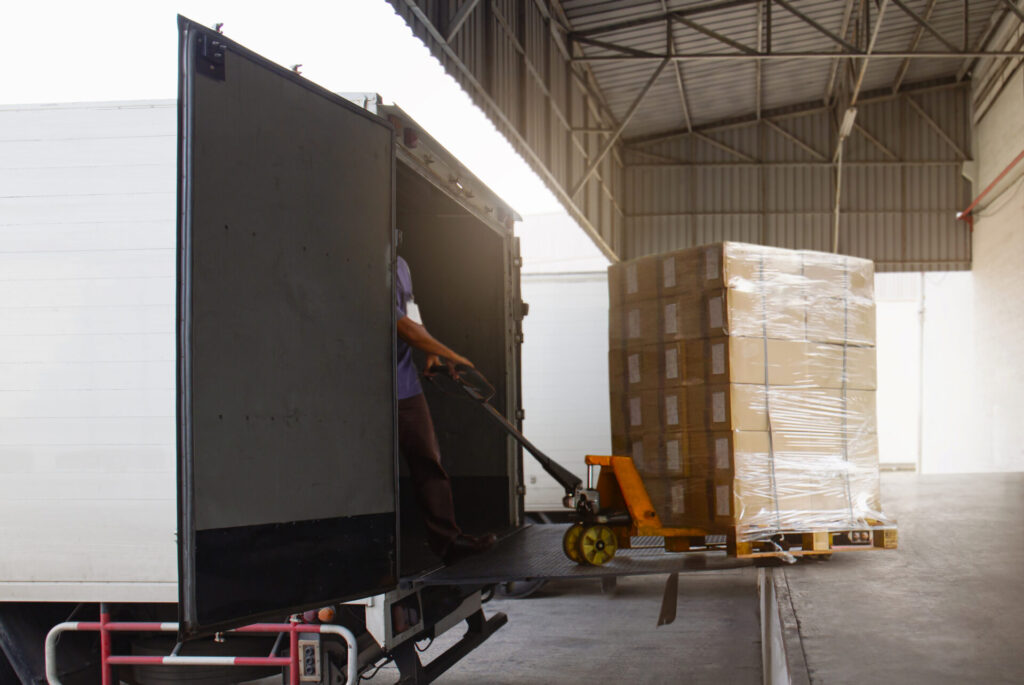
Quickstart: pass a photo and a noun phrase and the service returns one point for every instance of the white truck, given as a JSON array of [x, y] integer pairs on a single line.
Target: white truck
[[198, 416]]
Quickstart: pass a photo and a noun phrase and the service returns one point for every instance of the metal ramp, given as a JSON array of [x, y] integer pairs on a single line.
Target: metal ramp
[[534, 552]]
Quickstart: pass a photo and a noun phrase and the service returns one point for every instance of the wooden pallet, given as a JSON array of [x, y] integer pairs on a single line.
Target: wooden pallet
[[821, 543]]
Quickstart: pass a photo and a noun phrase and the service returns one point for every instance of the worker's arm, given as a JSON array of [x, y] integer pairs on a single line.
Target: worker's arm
[[416, 335]]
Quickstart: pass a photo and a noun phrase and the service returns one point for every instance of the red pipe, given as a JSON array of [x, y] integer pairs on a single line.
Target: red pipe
[[966, 214], [104, 645], [293, 670]]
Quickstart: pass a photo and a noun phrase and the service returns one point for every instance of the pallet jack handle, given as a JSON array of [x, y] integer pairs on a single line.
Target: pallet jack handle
[[476, 387]]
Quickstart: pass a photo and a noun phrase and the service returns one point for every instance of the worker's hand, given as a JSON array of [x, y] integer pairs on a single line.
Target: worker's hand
[[433, 362], [457, 360]]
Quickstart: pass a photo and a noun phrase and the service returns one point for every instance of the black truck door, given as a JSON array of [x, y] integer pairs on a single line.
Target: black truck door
[[285, 341]]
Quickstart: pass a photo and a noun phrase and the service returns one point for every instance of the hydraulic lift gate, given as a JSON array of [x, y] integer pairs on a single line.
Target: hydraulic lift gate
[[286, 388]]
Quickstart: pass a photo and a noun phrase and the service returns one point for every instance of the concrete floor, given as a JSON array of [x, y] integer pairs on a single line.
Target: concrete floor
[[569, 632], [947, 607]]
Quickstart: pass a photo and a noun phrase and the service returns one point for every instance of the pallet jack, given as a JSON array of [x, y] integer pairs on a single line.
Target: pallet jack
[[606, 514]]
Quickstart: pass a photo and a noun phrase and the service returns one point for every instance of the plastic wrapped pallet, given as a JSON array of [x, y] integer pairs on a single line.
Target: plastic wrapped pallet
[[743, 386]]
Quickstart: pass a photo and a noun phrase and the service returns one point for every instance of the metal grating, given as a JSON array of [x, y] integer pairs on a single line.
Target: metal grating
[[535, 552]]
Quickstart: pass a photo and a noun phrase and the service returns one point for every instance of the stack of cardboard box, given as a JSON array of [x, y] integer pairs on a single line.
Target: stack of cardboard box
[[743, 387]]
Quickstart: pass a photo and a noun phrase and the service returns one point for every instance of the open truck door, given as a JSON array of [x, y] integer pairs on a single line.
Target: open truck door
[[285, 341]]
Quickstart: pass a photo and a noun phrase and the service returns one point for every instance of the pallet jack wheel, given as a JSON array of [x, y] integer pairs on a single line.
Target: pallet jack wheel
[[598, 545], [571, 542]]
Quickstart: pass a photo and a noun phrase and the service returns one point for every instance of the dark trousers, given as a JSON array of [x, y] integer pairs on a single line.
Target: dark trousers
[[418, 445]]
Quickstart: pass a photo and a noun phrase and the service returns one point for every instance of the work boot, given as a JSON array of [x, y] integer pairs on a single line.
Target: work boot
[[466, 545]]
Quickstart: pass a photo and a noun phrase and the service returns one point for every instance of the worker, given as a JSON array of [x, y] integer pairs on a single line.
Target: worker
[[416, 439]]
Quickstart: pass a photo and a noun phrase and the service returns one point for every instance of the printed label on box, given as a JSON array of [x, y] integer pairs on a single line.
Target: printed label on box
[[723, 504], [672, 410], [722, 453], [668, 267], [631, 280], [715, 314], [670, 319], [633, 319], [635, 417], [671, 363], [634, 368], [718, 359], [638, 454], [678, 498], [711, 261], [672, 455], [718, 407]]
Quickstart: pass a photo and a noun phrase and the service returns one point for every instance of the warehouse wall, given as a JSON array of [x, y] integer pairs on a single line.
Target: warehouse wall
[[999, 282], [87, 288], [771, 183]]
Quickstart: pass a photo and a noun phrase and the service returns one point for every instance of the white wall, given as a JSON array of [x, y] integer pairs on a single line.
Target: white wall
[[87, 433], [926, 380], [565, 376], [998, 247]]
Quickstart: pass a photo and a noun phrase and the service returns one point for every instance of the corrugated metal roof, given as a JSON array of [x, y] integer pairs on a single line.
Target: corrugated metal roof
[[717, 90]]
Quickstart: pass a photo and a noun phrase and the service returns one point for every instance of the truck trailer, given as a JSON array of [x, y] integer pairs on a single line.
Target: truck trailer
[[286, 494]]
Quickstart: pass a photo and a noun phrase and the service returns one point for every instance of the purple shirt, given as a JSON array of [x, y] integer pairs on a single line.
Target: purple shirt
[[408, 377]]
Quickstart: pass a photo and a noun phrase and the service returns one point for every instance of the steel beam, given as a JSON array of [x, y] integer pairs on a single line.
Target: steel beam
[[847, 13], [871, 138], [867, 57], [799, 109], [713, 34], [594, 163], [659, 18], [994, 22], [460, 18], [923, 23], [793, 139], [810, 55], [935, 127], [821, 29], [757, 65], [1013, 7], [722, 146], [677, 68], [902, 71]]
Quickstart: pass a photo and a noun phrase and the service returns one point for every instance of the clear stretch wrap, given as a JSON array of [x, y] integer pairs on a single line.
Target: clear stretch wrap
[[743, 387]]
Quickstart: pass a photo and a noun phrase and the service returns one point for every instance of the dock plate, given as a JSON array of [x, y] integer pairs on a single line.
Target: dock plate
[[534, 552]]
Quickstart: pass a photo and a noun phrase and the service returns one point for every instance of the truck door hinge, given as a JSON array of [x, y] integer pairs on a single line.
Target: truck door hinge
[[520, 489], [520, 414], [210, 56]]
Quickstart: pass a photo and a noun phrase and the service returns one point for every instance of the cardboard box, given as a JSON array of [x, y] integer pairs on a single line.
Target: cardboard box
[[839, 275], [841, 320], [634, 413], [634, 280], [725, 359], [733, 312], [680, 502], [649, 367], [728, 407], [633, 325], [661, 454]]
